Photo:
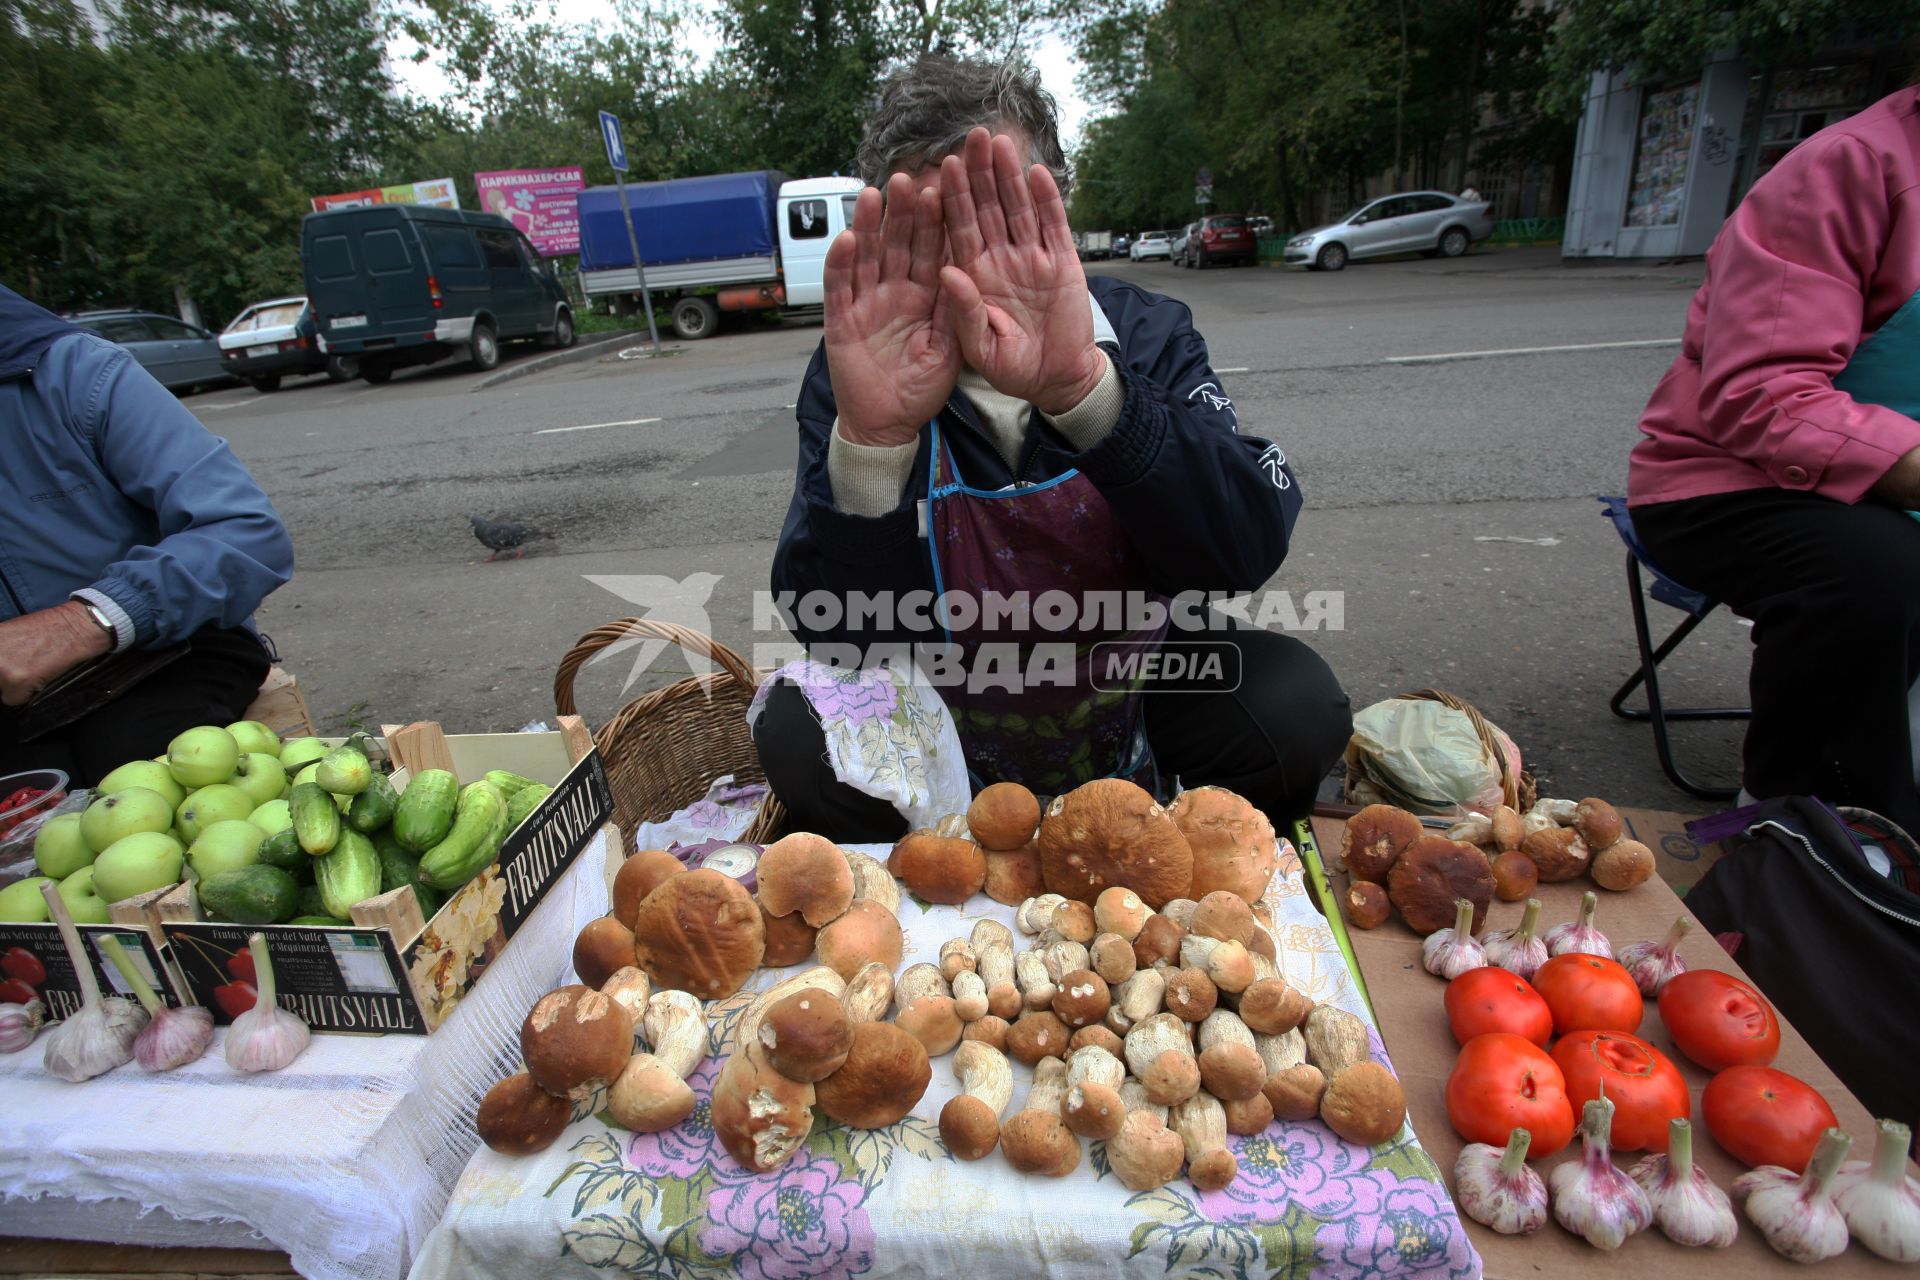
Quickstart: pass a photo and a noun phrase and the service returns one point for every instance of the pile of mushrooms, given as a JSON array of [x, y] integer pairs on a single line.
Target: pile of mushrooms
[[1397, 865]]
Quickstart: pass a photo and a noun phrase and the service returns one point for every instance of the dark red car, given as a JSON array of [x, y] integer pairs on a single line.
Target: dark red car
[[1224, 237]]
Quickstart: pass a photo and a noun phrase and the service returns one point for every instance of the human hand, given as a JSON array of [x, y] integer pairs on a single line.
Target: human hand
[[1019, 296], [891, 349], [1900, 486], [37, 648]]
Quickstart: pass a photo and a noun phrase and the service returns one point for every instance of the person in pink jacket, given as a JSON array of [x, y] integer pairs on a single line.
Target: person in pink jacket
[[1780, 459]]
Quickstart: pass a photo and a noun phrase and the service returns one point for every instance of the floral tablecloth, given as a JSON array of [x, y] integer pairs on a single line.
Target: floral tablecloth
[[892, 1202]]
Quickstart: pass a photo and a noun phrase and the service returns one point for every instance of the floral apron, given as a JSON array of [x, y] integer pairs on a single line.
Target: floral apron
[[1060, 536]]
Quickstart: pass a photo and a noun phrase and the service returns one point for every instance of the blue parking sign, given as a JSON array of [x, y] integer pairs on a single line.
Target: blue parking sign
[[616, 144]]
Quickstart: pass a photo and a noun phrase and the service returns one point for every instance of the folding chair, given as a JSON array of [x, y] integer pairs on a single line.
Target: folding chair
[[1696, 606]]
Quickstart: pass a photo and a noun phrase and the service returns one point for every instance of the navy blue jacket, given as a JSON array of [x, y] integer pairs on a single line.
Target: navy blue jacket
[[1207, 508]]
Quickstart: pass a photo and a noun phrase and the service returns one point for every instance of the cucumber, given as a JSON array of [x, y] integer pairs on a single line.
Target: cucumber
[[479, 824], [282, 849], [348, 875], [317, 920], [373, 808], [523, 802], [316, 819], [510, 783], [425, 813], [344, 771], [430, 900], [310, 903], [250, 895]]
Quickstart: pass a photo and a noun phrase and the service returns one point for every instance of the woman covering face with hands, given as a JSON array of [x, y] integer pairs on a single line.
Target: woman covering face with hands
[[1025, 482]]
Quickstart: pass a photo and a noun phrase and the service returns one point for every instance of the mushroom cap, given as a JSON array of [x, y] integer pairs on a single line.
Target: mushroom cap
[[648, 1097], [1367, 904], [700, 932], [1191, 995], [630, 987], [1234, 850], [1172, 1078], [1082, 998], [934, 1022], [969, 1127], [1145, 1153], [872, 880], [806, 1036], [1214, 1170], [1112, 957], [1159, 940], [1013, 877], [868, 933], [1271, 1007], [517, 1117], [944, 869], [1232, 1072], [759, 1115], [992, 1029], [1039, 1033], [1039, 1142], [1295, 1093], [805, 873], [1112, 832], [1222, 915], [1375, 838], [1515, 877], [639, 876], [1558, 854], [1003, 816], [885, 1074], [1262, 944], [1598, 822], [1431, 875], [1622, 865], [575, 1040], [1248, 1116], [1119, 910], [789, 938], [1364, 1104], [1074, 922], [1093, 1110], [604, 948]]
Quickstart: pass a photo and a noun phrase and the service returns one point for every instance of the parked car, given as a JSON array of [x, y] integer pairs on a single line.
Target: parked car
[[1178, 245], [1122, 246], [1221, 237], [181, 356], [400, 284], [1151, 244], [1261, 225], [1431, 223], [276, 339]]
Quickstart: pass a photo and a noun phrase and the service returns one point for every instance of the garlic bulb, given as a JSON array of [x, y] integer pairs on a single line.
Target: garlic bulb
[[173, 1037], [1654, 964], [1687, 1207], [99, 1037], [1580, 935], [1448, 953], [265, 1037], [19, 1024], [1796, 1211], [1497, 1189], [1879, 1201], [1593, 1199], [1518, 950]]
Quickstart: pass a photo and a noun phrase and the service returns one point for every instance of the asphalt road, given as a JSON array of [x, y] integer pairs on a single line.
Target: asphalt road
[[1451, 501]]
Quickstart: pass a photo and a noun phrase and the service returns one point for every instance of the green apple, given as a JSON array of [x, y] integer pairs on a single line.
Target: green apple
[[225, 845], [209, 805], [151, 774], [301, 752], [143, 861], [59, 848], [21, 903], [254, 736], [84, 902], [261, 776], [307, 774], [113, 818], [203, 756], [274, 815]]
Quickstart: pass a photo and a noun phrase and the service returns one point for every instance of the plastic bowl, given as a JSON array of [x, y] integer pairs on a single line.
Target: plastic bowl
[[28, 817]]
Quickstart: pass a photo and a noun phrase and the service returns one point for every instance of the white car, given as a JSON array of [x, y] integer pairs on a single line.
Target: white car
[[1431, 223], [1154, 244]]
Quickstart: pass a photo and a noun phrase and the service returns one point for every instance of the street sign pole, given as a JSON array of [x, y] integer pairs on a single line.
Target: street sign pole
[[617, 157]]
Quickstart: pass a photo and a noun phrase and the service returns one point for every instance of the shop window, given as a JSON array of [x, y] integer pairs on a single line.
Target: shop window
[[1663, 148]]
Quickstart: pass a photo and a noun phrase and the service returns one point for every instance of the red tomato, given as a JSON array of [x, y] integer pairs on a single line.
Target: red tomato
[[1501, 1082], [1589, 993], [1762, 1116], [1719, 1021], [1647, 1090], [1483, 1000]]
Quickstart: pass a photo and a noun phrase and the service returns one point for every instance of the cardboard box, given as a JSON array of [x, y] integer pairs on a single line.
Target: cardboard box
[[281, 706], [34, 962], [1407, 1003], [390, 970]]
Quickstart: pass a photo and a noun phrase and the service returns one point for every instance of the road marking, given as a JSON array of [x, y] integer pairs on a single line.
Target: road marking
[[1241, 369], [595, 426], [1531, 351]]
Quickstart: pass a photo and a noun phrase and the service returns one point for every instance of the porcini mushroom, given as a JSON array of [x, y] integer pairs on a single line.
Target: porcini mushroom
[[1101, 1036], [1112, 958], [1074, 921], [1037, 1140], [808, 874], [1036, 913], [699, 932], [1228, 964], [1364, 1104], [969, 995], [872, 881], [956, 957], [1234, 850], [1158, 941], [1014, 877], [996, 970], [1375, 838], [1248, 1116], [1296, 1092], [1558, 853], [745, 1029], [1037, 1034], [1082, 998], [867, 933], [1202, 1125], [938, 867], [1271, 1007], [1003, 817], [630, 988], [934, 1022], [1092, 1106], [1036, 984], [989, 1030], [868, 993], [651, 1093], [1432, 875], [517, 1117], [1282, 1052], [789, 939], [1191, 995], [1145, 1153], [970, 1121], [1160, 1056], [639, 876], [1137, 999], [1335, 1039], [1223, 916], [1119, 910], [1112, 832], [885, 1074], [806, 1036], [1622, 865], [760, 1116], [1598, 822], [1230, 1066], [603, 948], [576, 1040]]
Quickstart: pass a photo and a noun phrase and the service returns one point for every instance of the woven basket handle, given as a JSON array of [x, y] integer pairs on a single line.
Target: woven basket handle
[[643, 629]]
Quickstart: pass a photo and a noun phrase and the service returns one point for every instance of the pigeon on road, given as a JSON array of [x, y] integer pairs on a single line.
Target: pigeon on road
[[504, 535]]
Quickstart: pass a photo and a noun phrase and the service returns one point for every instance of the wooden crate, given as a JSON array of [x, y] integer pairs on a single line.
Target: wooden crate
[[281, 706]]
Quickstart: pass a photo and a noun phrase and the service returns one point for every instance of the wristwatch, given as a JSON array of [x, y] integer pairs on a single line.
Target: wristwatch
[[100, 619]]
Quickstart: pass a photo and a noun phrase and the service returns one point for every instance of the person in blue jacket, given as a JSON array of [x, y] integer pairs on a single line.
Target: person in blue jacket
[[982, 420], [125, 528]]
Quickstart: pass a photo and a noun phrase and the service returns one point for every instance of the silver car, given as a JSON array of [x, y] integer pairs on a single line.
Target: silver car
[[176, 353], [1431, 223], [1178, 245], [1154, 244]]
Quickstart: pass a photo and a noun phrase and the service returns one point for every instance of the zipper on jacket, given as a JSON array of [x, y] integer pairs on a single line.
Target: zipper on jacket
[[1834, 871], [1018, 474]]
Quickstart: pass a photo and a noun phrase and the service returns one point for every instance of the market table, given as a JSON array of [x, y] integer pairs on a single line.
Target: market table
[[1407, 1000], [892, 1201], [345, 1159]]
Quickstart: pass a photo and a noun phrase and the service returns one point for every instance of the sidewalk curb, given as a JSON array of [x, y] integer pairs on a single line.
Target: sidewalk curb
[[586, 348]]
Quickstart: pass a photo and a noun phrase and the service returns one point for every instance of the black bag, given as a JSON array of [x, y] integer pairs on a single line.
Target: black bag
[[1833, 942]]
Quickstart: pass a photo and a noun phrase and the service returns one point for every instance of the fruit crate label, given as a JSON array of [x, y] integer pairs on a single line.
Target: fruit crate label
[[333, 978], [34, 963], [541, 849]]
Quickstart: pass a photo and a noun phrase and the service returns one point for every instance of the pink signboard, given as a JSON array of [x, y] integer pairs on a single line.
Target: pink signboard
[[543, 203]]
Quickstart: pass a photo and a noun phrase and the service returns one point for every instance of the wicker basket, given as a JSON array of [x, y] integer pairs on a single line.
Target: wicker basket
[[1520, 790], [663, 750]]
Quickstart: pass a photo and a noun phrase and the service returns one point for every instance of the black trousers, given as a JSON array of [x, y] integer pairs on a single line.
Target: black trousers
[[1834, 594], [1271, 740], [210, 684]]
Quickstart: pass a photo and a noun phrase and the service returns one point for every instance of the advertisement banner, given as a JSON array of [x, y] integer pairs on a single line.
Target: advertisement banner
[[543, 203], [434, 191]]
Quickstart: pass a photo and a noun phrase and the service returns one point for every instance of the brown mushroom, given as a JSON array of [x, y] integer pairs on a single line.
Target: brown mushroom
[[1074, 922], [603, 948], [760, 1116], [1364, 1104], [1234, 850], [1112, 832], [1137, 999], [639, 876], [651, 1094], [1118, 910], [630, 987], [806, 1036], [1191, 995], [1514, 876], [1271, 1007], [1224, 916], [970, 996], [807, 874], [1230, 1067], [1014, 877], [1295, 1093], [1092, 1107], [1037, 1034], [991, 1029], [1432, 875], [1558, 853], [970, 1121], [867, 933], [939, 868], [1082, 998], [1003, 817], [1367, 904], [872, 880], [1112, 957], [1375, 838], [1037, 1140], [1160, 1056], [576, 1040], [1335, 1039], [789, 939], [885, 1074], [957, 957], [1508, 828], [1201, 1123], [1598, 823], [517, 1117], [1158, 942], [1262, 945], [934, 1022], [699, 932], [1622, 865], [868, 994], [1145, 1153], [1099, 1037], [1248, 1116]]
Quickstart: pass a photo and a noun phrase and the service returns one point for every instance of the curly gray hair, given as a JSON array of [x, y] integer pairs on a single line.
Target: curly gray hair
[[925, 111]]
